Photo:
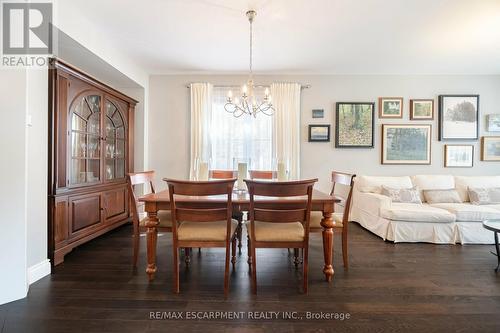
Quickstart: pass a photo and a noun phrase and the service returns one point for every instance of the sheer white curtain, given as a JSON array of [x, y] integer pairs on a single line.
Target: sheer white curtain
[[201, 111], [243, 138], [286, 132]]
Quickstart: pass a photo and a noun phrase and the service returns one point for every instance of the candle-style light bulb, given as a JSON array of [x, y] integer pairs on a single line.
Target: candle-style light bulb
[[244, 89], [266, 92], [230, 94]]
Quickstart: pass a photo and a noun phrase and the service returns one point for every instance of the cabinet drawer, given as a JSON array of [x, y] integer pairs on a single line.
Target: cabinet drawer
[[115, 204], [85, 212]]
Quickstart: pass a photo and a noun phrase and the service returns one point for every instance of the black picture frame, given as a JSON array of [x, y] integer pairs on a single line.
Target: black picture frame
[[337, 126], [441, 129], [311, 139]]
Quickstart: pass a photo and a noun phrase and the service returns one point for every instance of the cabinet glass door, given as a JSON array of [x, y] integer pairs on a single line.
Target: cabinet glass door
[[85, 142], [114, 167]]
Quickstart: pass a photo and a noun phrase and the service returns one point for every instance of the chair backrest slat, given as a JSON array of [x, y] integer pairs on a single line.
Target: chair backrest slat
[[222, 174], [280, 189], [342, 178], [200, 215], [263, 174], [280, 216]]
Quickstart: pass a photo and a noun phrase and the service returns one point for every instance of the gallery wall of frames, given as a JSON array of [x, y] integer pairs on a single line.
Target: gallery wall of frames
[[459, 118]]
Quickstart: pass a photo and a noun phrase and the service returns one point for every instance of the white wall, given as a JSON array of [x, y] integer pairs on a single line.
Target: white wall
[[13, 277], [169, 120], [37, 150]]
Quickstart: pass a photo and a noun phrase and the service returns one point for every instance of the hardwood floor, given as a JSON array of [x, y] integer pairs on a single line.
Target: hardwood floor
[[389, 288]]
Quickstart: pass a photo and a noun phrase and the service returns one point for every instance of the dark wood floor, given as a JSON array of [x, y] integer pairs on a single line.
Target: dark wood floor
[[389, 288]]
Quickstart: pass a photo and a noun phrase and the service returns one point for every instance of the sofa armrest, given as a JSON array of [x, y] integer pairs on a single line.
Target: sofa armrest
[[370, 203]]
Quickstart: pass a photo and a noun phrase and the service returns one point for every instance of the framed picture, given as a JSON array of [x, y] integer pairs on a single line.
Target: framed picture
[[319, 133], [490, 148], [390, 107], [494, 123], [458, 156], [318, 113], [421, 109], [406, 144], [458, 117], [354, 125]]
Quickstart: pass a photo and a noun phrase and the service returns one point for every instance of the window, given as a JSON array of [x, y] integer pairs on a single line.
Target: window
[[240, 138]]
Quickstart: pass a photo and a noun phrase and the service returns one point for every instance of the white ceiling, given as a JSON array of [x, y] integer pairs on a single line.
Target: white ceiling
[[303, 36]]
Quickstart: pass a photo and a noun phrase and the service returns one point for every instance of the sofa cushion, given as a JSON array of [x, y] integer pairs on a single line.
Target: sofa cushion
[[465, 212], [416, 213], [495, 206], [442, 196], [484, 195], [462, 184], [433, 182], [373, 184], [406, 195]]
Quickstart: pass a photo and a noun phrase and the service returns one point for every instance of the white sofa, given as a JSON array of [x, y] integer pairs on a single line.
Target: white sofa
[[441, 223]]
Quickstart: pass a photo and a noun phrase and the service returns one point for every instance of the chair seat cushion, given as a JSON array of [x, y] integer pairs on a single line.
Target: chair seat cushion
[[466, 212], [416, 213], [205, 231], [278, 232], [316, 218], [164, 217]]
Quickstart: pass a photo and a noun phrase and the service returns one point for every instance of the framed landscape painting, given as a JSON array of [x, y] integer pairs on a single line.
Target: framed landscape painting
[[318, 113], [390, 107], [494, 123], [354, 125], [490, 148], [458, 117], [406, 144], [319, 133], [421, 109], [458, 156]]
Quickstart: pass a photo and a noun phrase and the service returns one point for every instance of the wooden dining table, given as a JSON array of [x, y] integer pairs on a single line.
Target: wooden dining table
[[241, 201]]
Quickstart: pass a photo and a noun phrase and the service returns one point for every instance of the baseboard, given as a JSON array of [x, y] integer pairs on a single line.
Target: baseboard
[[38, 271]]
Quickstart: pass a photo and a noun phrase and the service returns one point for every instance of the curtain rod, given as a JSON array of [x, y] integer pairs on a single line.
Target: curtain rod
[[306, 86]]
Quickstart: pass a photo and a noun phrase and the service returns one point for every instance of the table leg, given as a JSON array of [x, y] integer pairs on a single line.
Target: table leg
[[498, 252], [327, 224], [151, 237]]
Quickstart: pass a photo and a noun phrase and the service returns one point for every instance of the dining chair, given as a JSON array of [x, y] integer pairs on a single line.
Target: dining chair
[[165, 219], [222, 174], [279, 227], [341, 220], [200, 226], [263, 174]]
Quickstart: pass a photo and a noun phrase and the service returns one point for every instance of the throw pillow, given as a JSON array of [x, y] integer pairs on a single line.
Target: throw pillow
[[442, 196], [403, 195], [484, 195]]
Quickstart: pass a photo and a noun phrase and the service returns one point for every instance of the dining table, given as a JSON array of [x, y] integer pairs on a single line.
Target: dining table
[[322, 202]]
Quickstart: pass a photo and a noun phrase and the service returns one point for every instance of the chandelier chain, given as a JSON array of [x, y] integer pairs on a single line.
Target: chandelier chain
[[251, 48]]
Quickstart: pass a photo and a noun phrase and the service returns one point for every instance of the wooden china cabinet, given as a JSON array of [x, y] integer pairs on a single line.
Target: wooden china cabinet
[[90, 152]]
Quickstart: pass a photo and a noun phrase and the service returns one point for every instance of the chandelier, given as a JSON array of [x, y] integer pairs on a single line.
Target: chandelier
[[247, 103]]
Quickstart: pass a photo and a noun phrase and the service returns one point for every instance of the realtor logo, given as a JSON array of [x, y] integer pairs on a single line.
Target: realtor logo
[[26, 28]]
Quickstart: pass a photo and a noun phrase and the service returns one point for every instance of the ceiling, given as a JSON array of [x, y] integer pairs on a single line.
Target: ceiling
[[303, 36]]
